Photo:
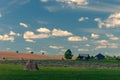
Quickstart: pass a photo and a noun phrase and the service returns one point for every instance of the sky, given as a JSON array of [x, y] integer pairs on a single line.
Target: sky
[[53, 26]]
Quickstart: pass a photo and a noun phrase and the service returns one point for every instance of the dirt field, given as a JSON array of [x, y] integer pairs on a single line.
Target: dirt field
[[27, 56]]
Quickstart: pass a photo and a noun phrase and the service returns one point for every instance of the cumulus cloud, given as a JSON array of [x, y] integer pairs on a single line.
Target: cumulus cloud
[[87, 45], [112, 37], [112, 21], [43, 30], [102, 42], [32, 35], [113, 45], [29, 40], [83, 49], [105, 44], [74, 2], [28, 48], [43, 51], [109, 45], [101, 47], [55, 47], [12, 33], [83, 19], [93, 35], [6, 38], [23, 24], [100, 23], [77, 38], [59, 32], [44, 0]]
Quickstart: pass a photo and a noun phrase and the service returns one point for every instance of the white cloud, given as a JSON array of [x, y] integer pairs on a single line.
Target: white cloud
[[113, 45], [6, 38], [102, 42], [43, 51], [51, 8], [108, 45], [32, 35], [28, 48], [44, 0], [23, 24], [112, 37], [105, 44], [112, 21], [83, 19], [93, 35], [8, 49], [83, 49], [0, 15], [43, 30], [87, 45], [55, 47], [29, 40], [12, 33], [58, 32], [77, 38], [101, 47], [73, 2], [100, 23]]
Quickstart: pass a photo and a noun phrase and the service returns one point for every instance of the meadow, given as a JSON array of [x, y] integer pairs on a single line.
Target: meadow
[[17, 72]]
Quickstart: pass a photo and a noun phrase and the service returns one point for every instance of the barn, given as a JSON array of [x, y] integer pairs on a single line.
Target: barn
[[99, 56]]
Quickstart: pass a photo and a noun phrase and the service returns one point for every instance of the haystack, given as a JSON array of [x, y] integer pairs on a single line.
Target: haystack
[[31, 65]]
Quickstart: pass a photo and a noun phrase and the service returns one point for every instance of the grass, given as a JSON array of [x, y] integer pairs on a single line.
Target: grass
[[16, 72]]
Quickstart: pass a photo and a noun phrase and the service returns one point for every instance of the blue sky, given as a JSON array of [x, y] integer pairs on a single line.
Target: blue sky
[[53, 26]]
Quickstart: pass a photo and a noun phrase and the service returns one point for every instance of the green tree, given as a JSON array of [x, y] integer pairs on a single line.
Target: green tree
[[32, 52], [17, 51], [68, 54]]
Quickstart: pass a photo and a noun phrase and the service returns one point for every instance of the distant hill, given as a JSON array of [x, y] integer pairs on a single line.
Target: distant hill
[[13, 55]]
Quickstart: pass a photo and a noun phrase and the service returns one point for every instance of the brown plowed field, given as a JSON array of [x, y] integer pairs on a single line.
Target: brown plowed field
[[14, 55]]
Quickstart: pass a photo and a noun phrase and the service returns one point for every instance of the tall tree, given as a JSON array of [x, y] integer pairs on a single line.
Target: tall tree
[[68, 54]]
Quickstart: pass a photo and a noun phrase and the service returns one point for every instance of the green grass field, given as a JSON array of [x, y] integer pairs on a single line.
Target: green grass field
[[12, 72]]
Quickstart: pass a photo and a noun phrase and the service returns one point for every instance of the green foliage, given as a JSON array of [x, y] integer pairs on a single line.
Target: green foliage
[[68, 54], [32, 52], [17, 51]]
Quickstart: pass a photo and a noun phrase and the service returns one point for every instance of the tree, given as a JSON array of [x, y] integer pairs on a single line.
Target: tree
[[17, 51], [32, 52], [68, 54], [43, 53]]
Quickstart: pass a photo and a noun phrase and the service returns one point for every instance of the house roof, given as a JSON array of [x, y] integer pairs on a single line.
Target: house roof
[[99, 55]]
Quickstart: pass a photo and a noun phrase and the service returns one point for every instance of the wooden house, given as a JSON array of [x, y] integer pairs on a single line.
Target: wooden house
[[83, 57]]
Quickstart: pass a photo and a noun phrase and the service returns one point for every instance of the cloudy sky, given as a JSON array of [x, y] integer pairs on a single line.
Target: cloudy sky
[[53, 26]]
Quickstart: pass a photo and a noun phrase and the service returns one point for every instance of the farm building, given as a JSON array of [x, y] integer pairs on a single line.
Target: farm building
[[99, 56], [83, 56]]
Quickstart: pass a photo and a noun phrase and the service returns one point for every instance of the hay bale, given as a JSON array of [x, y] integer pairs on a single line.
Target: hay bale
[[30, 65]]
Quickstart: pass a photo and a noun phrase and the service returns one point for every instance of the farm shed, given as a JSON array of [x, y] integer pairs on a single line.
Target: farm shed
[[99, 56]]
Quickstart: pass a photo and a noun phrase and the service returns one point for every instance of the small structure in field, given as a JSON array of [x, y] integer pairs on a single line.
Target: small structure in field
[[30, 65], [99, 56], [83, 57]]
